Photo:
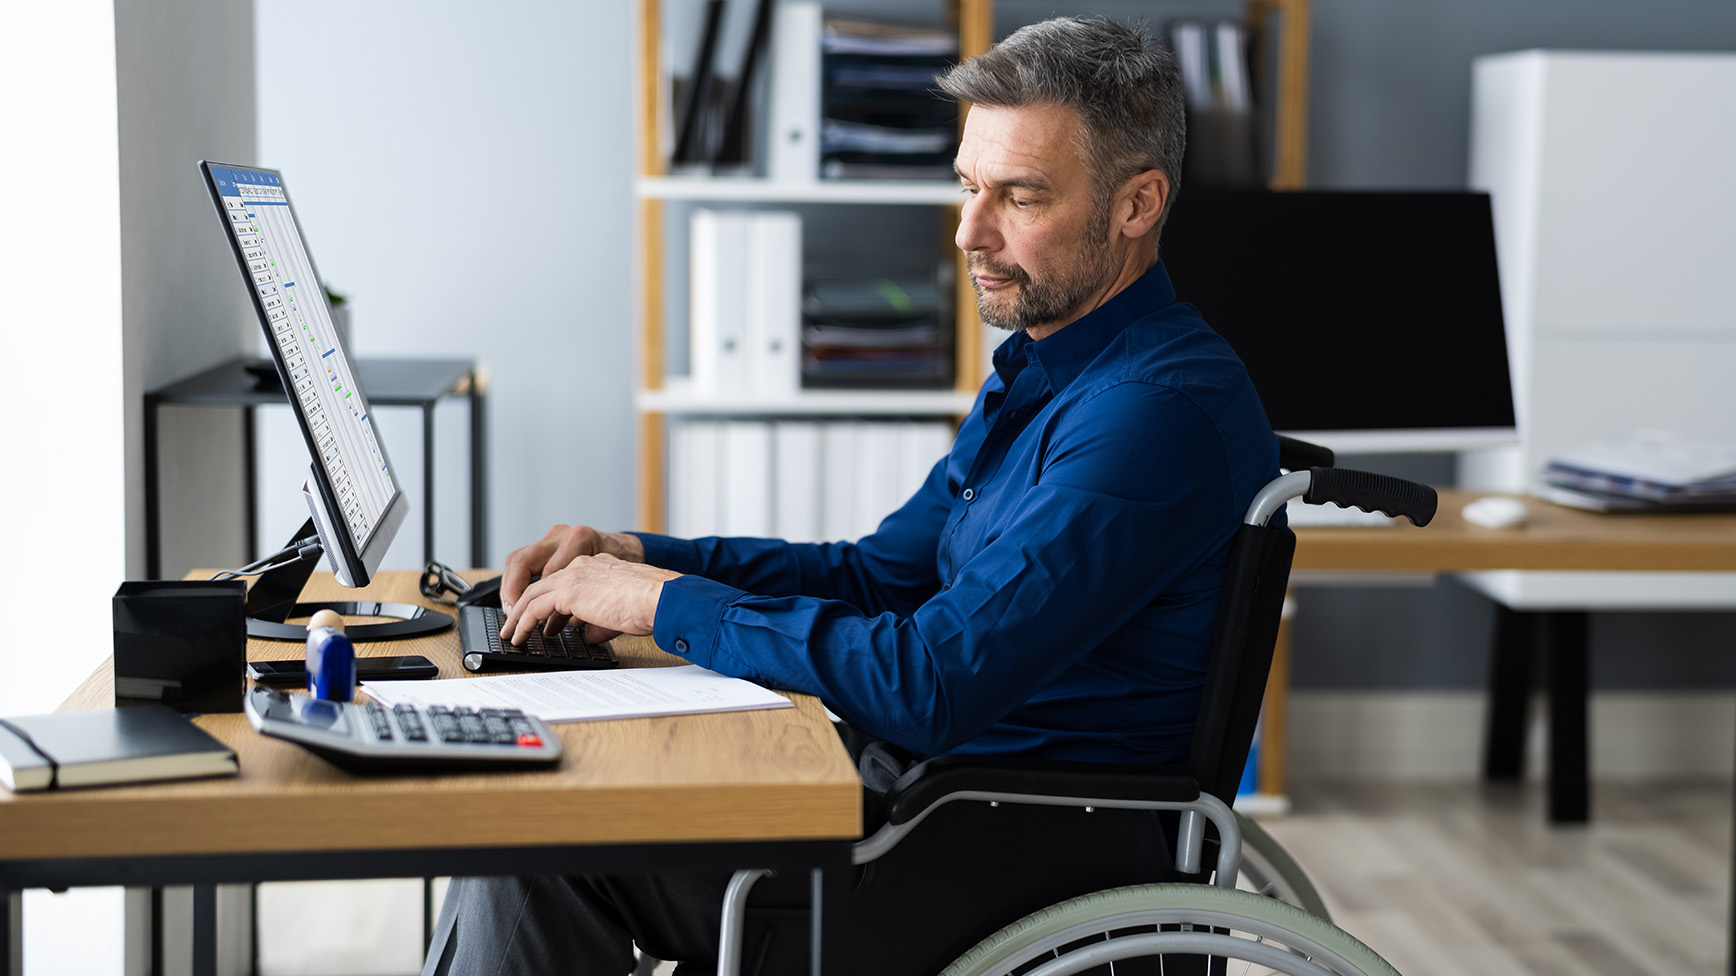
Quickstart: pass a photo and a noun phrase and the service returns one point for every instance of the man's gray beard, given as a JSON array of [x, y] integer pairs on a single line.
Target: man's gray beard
[[1049, 301]]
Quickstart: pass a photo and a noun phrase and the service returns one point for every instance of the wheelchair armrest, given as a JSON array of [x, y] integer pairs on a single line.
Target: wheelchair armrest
[[935, 779]]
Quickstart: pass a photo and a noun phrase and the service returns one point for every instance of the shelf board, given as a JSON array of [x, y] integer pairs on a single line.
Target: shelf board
[[754, 190], [679, 399]]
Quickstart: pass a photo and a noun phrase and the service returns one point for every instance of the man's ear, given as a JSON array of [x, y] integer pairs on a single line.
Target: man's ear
[[1140, 202]]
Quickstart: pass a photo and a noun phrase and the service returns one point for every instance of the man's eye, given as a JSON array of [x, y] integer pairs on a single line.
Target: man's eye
[[1023, 204]]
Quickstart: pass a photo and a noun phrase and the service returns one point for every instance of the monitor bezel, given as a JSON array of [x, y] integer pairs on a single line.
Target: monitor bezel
[[1410, 440], [354, 562]]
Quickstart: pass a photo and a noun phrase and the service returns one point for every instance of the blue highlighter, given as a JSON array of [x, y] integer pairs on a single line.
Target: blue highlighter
[[331, 659]]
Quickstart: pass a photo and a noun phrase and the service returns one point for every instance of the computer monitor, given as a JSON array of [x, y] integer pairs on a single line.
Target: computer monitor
[[1369, 321], [351, 491]]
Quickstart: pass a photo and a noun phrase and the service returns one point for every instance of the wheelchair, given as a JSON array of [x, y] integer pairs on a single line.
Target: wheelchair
[[1281, 926]]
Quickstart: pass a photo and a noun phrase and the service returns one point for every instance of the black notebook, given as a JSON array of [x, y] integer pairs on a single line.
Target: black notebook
[[106, 746]]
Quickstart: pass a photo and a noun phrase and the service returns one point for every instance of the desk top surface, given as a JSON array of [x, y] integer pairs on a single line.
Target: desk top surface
[[761, 775], [1554, 538], [388, 383]]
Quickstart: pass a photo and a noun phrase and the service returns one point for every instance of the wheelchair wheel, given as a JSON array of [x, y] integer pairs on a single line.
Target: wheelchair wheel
[[1146, 921], [1271, 871]]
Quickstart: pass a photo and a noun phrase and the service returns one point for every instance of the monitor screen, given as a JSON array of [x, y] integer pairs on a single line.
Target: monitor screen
[[353, 492], [1367, 320]]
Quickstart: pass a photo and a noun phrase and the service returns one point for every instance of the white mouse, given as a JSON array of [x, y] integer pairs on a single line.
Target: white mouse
[[1496, 512]]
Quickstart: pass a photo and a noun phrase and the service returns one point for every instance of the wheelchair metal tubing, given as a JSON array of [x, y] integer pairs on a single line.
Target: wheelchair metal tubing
[[735, 919], [1275, 495], [1206, 805], [1189, 943], [1190, 843]]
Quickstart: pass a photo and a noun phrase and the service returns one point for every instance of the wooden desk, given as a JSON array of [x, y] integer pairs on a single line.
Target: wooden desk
[[747, 789], [1554, 538]]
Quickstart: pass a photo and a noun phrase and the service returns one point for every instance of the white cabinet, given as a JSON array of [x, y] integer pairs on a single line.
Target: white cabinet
[[1614, 216]]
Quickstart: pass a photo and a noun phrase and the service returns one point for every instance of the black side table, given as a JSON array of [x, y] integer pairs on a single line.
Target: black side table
[[388, 383]]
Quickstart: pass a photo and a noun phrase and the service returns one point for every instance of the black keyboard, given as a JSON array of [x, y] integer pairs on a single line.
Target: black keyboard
[[483, 650]]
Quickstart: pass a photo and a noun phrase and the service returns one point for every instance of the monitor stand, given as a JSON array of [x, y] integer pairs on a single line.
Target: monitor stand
[[272, 600]]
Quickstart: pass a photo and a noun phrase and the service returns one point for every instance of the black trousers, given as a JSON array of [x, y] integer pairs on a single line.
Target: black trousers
[[966, 871]]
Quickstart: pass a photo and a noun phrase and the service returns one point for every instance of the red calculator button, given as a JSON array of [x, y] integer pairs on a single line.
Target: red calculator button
[[528, 739]]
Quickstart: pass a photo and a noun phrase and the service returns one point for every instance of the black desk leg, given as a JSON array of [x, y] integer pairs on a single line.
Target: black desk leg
[[11, 932], [1569, 687], [1510, 683], [205, 930], [427, 915], [427, 484], [478, 473], [250, 474], [830, 936], [156, 928], [153, 518]]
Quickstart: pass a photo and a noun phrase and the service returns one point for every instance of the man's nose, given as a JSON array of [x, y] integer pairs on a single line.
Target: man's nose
[[976, 231]]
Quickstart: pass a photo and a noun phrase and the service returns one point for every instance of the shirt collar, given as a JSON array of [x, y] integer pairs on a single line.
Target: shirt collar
[[1065, 354]]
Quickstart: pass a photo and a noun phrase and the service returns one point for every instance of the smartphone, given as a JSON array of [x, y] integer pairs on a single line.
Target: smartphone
[[294, 673]]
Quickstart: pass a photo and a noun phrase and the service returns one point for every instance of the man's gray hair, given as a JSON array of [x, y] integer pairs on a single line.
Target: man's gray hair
[[1125, 86]]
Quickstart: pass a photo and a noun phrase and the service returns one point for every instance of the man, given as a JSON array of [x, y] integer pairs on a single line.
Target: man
[[1049, 592]]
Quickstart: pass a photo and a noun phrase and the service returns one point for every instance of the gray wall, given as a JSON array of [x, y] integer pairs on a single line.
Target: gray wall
[[1390, 107], [462, 172], [186, 93]]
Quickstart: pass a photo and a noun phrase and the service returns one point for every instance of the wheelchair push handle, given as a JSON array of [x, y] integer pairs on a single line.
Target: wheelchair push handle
[[1295, 455], [1372, 493]]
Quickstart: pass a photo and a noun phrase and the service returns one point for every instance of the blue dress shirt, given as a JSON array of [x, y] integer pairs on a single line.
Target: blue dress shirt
[[1051, 589]]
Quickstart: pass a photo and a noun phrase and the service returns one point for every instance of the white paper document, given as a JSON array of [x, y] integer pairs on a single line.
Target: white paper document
[[584, 696]]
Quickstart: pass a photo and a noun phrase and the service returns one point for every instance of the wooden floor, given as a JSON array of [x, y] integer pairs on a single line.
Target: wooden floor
[[1450, 879], [1459, 879]]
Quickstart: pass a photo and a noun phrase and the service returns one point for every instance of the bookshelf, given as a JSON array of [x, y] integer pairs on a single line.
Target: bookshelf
[[1280, 32]]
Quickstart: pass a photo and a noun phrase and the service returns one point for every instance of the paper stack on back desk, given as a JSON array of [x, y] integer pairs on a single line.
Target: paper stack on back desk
[[584, 696], [1644, 471]]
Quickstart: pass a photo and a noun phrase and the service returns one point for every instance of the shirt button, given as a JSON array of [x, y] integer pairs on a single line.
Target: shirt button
[[969, 493], [680, 645]]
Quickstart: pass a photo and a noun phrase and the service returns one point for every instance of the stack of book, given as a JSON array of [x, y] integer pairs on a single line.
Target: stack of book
[[1645, 471], [883, 116], [875, 333]]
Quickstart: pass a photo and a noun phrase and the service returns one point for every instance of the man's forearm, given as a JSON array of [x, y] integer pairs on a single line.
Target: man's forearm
[[624, 546]]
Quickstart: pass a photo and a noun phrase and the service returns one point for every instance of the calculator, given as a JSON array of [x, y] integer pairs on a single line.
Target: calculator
[[372, 738]]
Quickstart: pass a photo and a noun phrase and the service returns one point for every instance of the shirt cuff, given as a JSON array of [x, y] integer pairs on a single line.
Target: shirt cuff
[[689, 616], [668, 552]]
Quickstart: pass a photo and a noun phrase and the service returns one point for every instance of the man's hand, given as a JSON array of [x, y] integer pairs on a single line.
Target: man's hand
[[558, 548], [611, 595]]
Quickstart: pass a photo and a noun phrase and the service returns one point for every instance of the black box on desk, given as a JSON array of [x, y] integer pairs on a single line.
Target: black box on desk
[[181, 643]]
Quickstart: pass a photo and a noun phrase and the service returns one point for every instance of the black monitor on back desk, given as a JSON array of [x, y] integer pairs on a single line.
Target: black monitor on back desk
[[1369, 321]]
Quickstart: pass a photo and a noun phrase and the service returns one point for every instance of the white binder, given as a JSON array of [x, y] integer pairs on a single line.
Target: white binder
[[717, 302]]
